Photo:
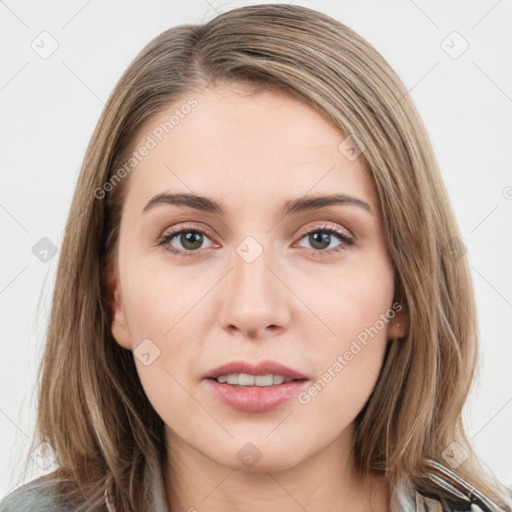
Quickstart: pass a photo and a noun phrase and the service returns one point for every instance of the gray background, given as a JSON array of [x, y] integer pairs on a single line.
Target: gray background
[[49, 107]]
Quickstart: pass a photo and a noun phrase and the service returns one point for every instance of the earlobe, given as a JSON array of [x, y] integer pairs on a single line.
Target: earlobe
[[119, 329]]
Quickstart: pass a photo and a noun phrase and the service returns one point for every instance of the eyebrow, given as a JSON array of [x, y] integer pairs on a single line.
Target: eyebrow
[[299, 205]]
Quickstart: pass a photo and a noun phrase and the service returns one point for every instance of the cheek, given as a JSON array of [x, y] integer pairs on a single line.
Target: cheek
[[348, 357], [164, 313], [158, 302]]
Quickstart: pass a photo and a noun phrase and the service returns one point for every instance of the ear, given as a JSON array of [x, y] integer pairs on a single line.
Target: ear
[[119, 326], [398, 326]]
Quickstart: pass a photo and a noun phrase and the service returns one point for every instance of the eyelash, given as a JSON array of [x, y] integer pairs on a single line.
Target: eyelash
[[330, 229]]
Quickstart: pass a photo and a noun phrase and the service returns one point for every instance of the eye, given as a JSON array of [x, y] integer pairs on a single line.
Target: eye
[[190, 239], [321, 238]]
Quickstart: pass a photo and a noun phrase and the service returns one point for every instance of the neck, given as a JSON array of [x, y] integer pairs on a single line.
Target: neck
[[325, 481]]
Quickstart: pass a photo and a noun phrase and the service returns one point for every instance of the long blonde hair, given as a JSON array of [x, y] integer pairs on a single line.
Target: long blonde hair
[[92, 410]]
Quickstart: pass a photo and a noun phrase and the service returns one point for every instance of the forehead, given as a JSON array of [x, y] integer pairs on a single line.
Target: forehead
[[240, 116], [235, 139]]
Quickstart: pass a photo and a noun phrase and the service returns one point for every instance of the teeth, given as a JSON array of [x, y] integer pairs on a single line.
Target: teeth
[[243, 379], [232, 379]]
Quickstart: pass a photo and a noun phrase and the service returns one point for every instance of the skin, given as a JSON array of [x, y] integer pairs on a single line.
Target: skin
[[253, 152]]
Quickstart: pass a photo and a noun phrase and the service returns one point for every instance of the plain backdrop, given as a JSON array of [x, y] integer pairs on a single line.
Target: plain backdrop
[[59, 63]]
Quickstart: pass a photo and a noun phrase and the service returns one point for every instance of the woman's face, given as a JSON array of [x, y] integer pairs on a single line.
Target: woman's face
[[250, 267]]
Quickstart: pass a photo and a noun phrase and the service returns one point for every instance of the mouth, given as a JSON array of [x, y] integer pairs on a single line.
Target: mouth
[[251, 387]]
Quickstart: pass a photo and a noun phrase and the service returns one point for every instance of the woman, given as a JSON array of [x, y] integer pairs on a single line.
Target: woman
[[261, 294]]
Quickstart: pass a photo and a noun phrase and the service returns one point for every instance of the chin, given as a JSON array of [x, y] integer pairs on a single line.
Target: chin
[[260, 456]]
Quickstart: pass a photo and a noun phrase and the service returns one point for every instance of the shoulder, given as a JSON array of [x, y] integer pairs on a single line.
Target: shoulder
[[35, 496], [454, 494]]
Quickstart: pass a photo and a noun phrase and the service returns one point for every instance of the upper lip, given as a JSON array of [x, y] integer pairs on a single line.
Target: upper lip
[[261, 368]]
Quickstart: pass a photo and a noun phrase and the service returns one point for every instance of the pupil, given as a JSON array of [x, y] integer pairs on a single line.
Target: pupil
[[191, 237], [324, 240]]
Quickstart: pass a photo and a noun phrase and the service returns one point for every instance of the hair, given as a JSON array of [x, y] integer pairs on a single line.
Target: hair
[[92, 410]]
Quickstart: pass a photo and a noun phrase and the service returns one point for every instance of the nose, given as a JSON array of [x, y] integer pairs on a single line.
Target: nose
[[255, 298]]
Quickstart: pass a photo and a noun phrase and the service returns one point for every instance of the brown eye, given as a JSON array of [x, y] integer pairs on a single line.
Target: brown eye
[[319, 240], [184, 242], [190, 240], [321, 237]]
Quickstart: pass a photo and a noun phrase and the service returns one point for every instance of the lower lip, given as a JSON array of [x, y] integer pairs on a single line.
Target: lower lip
[[255, 398]]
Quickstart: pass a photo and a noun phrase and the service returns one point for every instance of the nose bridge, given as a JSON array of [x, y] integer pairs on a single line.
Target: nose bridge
[[255, 299]]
